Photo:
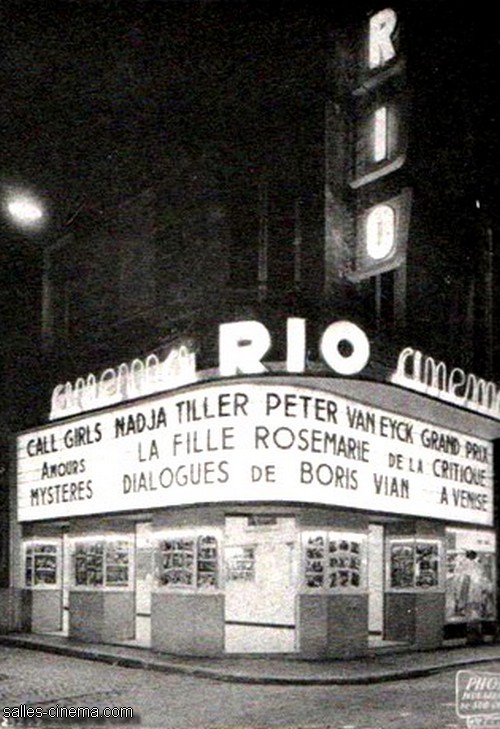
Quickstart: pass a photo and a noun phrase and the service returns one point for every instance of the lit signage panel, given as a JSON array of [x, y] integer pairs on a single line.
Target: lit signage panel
[[253, 441], [382, 236], [424, 374]]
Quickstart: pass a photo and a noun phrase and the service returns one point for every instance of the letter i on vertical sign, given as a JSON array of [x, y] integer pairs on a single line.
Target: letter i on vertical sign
[[380, 147]]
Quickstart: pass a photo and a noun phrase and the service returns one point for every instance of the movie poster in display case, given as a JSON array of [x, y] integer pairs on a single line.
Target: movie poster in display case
[[470, 575], [414, 564]]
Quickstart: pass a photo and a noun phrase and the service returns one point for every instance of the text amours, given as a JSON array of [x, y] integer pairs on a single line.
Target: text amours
[[342, 436]]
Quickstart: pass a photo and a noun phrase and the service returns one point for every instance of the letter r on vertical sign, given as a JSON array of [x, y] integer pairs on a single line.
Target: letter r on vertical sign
[[380, 46]]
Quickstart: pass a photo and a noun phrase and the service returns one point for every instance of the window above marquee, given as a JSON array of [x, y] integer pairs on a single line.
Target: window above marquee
[[380, 232]]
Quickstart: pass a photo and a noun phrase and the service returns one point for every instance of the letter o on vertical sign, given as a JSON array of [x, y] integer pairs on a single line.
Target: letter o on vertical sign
[[354, 338], [380, 232]]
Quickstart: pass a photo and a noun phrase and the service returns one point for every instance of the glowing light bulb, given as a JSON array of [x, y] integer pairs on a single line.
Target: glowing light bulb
[[24, 209]]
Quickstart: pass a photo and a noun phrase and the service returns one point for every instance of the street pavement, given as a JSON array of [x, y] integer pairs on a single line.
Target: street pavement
[[377, 667], [178, 701]]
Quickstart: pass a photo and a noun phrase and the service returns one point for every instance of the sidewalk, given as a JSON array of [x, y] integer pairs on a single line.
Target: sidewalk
[[375, 668]]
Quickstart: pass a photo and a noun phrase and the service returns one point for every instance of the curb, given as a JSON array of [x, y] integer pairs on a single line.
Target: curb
[[237, 677]]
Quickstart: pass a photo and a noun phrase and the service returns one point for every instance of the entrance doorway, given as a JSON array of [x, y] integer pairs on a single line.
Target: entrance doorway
[[261, 559], [376, 583], [143, 583], [46, 575]]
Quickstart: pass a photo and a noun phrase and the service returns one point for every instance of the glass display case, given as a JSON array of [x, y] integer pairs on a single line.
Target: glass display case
[[101, 563], [402, 555], [344, 565], [206, 562], [117, 563], [470, 575], [315, 561], [188, 561], [41, 564], [89, 564], [177, 562], [334, 561], [414, 564]]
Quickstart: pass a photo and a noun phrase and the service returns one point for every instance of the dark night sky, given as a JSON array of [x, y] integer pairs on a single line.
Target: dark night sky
[[97, 96], [94, 95]]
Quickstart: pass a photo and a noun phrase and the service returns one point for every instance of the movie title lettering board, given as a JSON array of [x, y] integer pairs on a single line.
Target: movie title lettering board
[[253, 442]]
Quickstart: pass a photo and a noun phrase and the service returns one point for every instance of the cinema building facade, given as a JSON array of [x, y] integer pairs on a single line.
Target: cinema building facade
[[285, 508], [278, 495]]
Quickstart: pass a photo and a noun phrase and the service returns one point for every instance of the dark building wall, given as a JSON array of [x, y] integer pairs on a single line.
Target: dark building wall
[[23, 400], [124, 285], [448, 259]]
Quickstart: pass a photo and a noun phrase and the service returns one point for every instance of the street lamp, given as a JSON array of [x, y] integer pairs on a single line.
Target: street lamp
[[24, 209]]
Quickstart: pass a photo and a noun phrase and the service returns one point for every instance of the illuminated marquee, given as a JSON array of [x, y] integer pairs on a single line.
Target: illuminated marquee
[[253, 441]]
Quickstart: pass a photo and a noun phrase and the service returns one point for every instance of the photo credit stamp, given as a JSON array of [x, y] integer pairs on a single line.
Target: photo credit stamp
[[478, 698]]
